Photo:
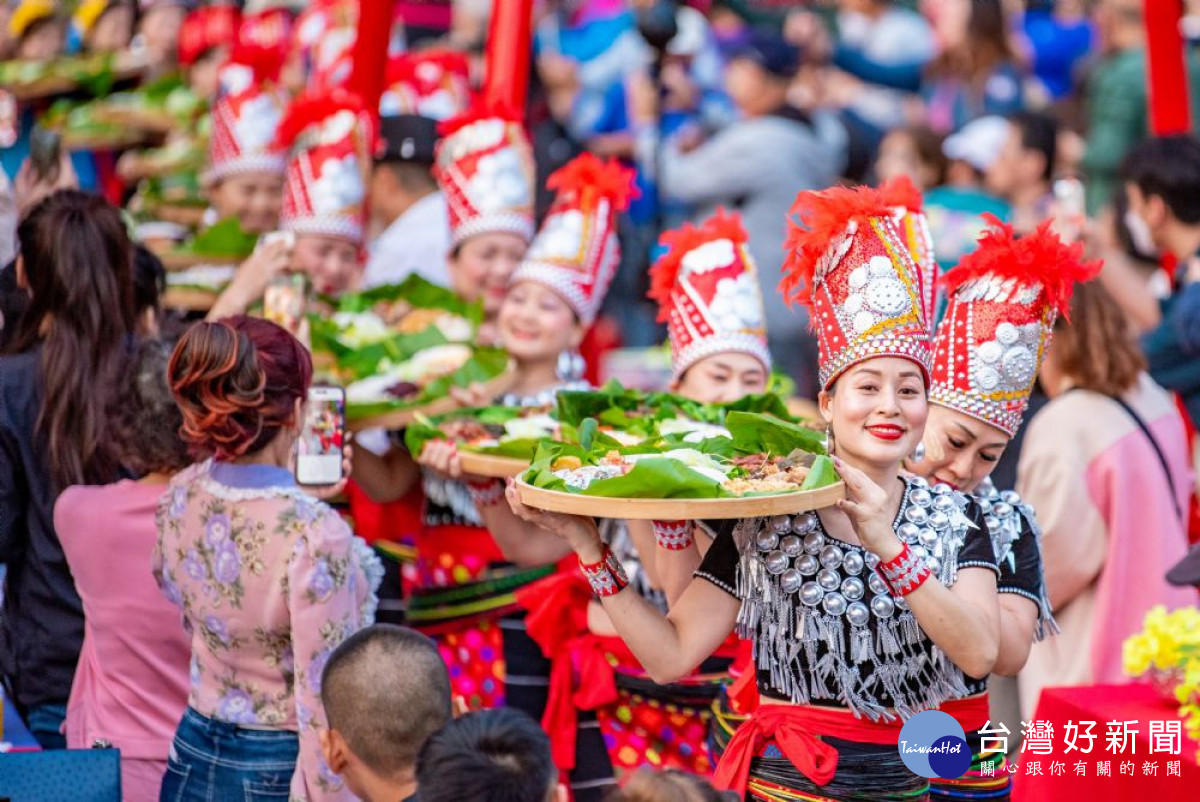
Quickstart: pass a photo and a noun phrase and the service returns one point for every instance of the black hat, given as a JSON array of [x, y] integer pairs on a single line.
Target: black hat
[[407, 138], [1186, 572], [771, 52]]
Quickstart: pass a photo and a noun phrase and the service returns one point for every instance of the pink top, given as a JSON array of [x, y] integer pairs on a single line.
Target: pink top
[[270, 581], [1110, 529], [131, 683]]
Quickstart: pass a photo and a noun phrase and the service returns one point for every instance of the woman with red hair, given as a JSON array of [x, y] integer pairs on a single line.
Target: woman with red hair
[[269, 579]]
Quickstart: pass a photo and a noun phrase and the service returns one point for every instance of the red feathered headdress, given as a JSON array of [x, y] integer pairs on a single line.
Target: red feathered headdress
[[329, 141], [707, 290], [576, 251], [1003, 299], [847, 262], [434, 84], [485, 169]]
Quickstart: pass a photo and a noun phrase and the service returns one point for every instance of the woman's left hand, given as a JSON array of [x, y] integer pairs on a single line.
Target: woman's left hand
[[331, 492], [473, 395], [866, 504]]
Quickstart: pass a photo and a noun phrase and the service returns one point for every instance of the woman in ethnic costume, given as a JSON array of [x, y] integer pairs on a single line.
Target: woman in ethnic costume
[[855, 627], [485, 170], [1003, 300]]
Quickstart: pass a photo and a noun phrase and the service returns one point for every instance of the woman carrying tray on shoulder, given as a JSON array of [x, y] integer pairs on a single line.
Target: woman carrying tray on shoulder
[[855, 629], [1004, 298], [552, 297]]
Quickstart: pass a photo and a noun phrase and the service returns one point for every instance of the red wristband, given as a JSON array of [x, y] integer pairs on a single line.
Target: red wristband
[[673, 535], [905, 572], [486, 494], [606, 577]]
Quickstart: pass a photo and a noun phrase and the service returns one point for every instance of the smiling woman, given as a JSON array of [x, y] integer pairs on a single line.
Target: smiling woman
[[860, 615]]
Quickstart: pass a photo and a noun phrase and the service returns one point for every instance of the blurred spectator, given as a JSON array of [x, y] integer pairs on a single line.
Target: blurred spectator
[[269, 579], [8, 223], [158, 27], [1023, 170], [498, 755], [407, 206], [149, 284], [879, 54], [1105, 465], [976, 73], [75, 263], [669, 785], [37, 30], [385, 690], [1117, 98], [914, 151], [131, 685], [1163, 187], [955, 209], [1058, 35], [104, 26], [756, 166]]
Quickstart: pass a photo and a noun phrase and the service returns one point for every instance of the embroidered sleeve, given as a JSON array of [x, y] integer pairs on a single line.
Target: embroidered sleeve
[[327, 591], [719, 565]]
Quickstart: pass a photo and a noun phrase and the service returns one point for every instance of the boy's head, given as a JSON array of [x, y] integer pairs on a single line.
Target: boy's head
[[385, 691], [499, 755], [1162, 185]]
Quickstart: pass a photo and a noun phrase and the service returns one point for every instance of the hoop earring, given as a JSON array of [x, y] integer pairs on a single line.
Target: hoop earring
[[918, 452]]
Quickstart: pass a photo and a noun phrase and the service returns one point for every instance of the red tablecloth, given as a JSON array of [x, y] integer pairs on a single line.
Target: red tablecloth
[[1156, 776]]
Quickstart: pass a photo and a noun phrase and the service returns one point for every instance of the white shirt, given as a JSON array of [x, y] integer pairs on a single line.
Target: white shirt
[[416, 242]]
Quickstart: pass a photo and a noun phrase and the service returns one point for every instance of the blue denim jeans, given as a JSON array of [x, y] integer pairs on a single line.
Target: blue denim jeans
[[215, 760]]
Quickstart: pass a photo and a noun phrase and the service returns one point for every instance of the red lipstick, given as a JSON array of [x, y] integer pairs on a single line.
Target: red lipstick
[[886, 431]]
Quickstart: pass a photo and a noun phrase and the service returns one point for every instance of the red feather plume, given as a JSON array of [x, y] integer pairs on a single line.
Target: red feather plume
[[1039, 257], [901, 191], [815, 220], [592, 180], [311, 108], [264, 61], [479, 110], [679, 242], [404, 67]]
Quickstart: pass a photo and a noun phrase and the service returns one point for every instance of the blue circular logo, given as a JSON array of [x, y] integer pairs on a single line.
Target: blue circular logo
[[933, 745]]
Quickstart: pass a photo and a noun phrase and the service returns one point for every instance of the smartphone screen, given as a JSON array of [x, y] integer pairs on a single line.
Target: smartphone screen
[[319, 452]]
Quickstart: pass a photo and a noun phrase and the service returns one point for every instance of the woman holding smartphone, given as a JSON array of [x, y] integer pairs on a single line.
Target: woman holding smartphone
[[269, 579], [857, 624]]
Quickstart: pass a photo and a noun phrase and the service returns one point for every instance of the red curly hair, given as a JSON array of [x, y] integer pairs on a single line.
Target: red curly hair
[[236, 382]]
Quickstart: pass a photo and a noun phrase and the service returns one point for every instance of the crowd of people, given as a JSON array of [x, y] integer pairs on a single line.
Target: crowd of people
[[945, 224]]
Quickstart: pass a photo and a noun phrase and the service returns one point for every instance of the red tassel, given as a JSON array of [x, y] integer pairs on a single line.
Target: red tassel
[[815, 221], [592, 180], [1040, 257], [679, 242]]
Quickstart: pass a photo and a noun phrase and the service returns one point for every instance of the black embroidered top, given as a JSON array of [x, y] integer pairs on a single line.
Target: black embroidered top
[[826, 630]]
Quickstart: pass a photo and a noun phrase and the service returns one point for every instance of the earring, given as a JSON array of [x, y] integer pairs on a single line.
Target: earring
[[570, 366], [829, 444], [918, 452]]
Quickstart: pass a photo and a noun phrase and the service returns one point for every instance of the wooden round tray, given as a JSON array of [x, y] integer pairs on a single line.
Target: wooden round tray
[[491, 465], [679, 509], [154, 121], [193, 299], [179, 260], [439, 406]]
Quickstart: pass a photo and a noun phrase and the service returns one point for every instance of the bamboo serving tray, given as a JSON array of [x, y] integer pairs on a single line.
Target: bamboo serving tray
[[490, 465], [679, 509], [401, 418]]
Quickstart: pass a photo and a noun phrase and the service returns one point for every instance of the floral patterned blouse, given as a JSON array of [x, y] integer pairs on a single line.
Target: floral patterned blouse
[[270, 581]]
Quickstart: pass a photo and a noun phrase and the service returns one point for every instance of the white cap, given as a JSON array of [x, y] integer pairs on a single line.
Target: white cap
[[978, 142]]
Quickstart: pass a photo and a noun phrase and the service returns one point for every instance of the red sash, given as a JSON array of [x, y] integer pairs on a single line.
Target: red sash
[[795, 730]]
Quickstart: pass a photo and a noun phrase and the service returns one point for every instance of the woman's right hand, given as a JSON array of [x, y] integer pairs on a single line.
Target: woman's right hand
[[580, 532], [442, 457], [252, 278]]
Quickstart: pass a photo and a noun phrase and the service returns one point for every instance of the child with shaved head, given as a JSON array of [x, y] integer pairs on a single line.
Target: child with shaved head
[[385, 690]]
